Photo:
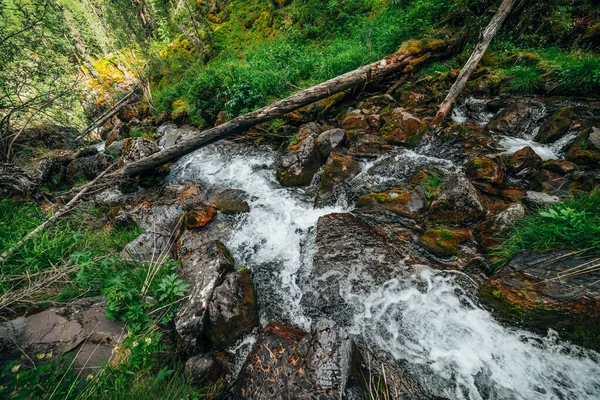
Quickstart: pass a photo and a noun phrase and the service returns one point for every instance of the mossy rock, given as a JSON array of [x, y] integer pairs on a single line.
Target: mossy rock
[[403, 128], [556, 126], [443, 241], [485, 170], [231, 206], [583, 151], [400, 200], [196, 219], [338, 171]]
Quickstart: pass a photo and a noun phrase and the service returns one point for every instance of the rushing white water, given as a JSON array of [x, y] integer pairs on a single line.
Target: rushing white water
[[453, 346], [551, 151]]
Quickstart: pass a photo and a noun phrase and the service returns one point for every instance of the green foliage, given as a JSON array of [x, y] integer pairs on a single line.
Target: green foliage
[[524, 79], [433, 186], [580, 71], [573, 225]]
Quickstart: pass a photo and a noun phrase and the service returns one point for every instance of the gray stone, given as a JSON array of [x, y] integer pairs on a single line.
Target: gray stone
[[301, 161], [458, 203], [115, 147], [330, 140], [203, 368], [512, 120], [204, 268], [509, 217], [137, 148], [89, 167], [594, 137], [539, 199]]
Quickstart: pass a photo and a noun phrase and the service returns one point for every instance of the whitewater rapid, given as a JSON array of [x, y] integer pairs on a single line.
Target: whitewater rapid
[[454, 347]]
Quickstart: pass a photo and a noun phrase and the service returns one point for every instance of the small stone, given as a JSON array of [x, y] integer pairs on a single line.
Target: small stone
[[539, 199], [524, 159], [196, 219], [485, 170], [204, 368]]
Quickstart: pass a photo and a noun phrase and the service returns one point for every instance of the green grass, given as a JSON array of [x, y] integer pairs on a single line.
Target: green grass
[[433, 185], [524, 79], [572, 225]]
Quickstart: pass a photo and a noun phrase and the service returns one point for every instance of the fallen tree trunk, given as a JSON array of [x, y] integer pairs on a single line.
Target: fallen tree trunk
[[15, 180], [410, 54], [471, 64]]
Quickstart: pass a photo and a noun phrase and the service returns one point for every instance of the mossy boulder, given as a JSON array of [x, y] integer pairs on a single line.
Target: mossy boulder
[[458, 203], [586, 149], [233, 312], [527, 292], [403, 128], [562, 167], [301, 160], [556, 126], [337, 173], [484, 170], [512, 119], [199, 218], [443, 241], [401, 200], [495, 225]]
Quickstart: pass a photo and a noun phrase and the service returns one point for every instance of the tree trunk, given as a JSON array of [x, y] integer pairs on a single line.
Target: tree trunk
[[15, 180], [405, 57], [471, 64]]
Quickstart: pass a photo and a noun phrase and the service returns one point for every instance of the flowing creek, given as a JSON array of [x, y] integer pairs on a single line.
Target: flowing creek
[[426, 321]]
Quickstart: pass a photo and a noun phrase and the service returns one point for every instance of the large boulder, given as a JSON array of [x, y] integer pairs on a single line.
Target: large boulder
[[161, 224], [512, 119], [403, 128], [459, 203], [89, 167], [233, 312], [350, 256], [330, 140], [586, 149], [556, 126], [79, 328], [204, 268], [337, 174], [290, 364], [542, 291], [302, 160], [485, 170], [135, 149], [523, 162]]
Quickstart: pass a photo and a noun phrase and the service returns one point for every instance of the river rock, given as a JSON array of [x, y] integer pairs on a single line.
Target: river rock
[[528, 292], [484, 170], [586, 149], [549, 182], [512, 120], [199, 217], [204, 368], [289, 364], [85, 152], [556, 126], [135, 149], [443, 241], [405, 201], [562, 167], [161, 231], [115, 147], [204, 268], [403, 128], [330, 140], [523, 161], [88, 167], [337, 174], [300, 161], [350, 256], [79, 328], [458, 203], [231, 206], [233, 312], [539, 199]]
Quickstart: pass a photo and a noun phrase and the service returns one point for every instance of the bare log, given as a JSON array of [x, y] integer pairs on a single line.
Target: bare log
[[402, 60], [64, 210], [471, 64]]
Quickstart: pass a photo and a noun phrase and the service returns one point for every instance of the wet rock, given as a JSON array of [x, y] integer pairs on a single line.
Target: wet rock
[[233, 312], [286, 363], [330, 140], [458, 203], [88, 167], [513, 119], [562, 167], [204, 368], [444, 242], [231, 206], [135, 149], [300, 161], [356, 122], [204, 268], [549, 182], [79, 328], [556, 126], [528, 291], [350, 256], [115, 147], [586, 149], [367, 145], [403, 128], [539, 199], [337, 174], [85, 152], [523, 161], [484, 170], [161, 231], [497, 225], [401, 200], [198, 218]]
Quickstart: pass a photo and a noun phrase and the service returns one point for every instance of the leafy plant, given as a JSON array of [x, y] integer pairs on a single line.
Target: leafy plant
[[524, 79]]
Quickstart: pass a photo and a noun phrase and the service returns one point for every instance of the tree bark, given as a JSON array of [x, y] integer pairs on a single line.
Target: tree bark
[[471, 64], [15, 180], [403, 59]]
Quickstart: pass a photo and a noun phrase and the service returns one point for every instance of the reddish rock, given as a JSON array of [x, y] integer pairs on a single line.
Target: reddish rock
[[401, 200], [484, 170], [196, 219], [403, 128], [562, 167], [444, 242], [524, 159], [337, 173]]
